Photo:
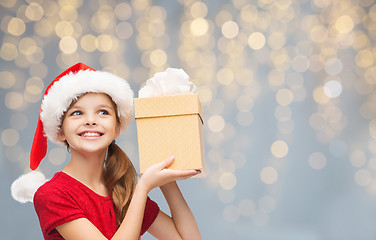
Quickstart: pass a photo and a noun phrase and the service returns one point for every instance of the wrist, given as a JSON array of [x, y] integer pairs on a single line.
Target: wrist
[[168, 186], [142, 188]]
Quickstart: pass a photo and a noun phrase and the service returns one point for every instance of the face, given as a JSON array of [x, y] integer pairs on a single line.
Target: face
[[90, 124]]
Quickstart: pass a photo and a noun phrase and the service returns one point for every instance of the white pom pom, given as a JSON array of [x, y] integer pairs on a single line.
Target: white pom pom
[[24, 188]]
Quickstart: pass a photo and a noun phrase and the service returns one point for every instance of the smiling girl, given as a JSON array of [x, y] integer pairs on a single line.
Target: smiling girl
[[97, 195]]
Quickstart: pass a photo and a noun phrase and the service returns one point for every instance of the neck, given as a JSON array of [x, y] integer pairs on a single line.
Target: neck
[[88, 169]]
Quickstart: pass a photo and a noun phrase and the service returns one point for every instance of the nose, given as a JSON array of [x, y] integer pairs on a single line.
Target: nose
[[90, 120]]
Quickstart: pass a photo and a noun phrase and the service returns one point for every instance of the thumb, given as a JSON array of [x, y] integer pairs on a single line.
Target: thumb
[[167, 162]]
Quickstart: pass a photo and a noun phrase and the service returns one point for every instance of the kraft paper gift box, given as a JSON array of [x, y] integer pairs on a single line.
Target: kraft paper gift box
[[170, 125]]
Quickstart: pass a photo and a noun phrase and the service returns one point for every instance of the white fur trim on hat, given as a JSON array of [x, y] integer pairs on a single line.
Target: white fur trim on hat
[[73, 85], [24, 188]]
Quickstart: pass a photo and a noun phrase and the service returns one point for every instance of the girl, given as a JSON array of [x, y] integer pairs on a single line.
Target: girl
[[97, 196]]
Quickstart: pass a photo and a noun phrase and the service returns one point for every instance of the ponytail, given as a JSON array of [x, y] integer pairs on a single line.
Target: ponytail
[[120, 178]]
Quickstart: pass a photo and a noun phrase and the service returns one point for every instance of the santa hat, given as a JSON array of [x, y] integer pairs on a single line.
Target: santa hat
[[62, 91]]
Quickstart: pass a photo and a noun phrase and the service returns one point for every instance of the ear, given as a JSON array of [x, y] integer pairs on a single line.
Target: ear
[[117, 131], [61, 135]]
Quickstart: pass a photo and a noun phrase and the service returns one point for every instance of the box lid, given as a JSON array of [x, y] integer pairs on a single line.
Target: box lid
[[184, 104]]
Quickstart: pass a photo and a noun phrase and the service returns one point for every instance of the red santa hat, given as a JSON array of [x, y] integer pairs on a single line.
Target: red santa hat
[[62, 91]]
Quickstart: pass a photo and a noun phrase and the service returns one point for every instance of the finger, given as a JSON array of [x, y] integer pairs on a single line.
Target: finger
[[165, 163], [185, 177], [192, 173], [180, 174]]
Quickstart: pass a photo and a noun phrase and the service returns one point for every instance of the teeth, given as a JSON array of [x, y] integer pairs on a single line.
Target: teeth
[[90, 134]]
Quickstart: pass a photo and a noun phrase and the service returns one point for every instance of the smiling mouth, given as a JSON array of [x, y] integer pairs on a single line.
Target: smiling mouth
[[91, 134]]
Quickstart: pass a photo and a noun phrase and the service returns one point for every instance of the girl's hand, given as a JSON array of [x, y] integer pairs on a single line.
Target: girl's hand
[[158, 174]]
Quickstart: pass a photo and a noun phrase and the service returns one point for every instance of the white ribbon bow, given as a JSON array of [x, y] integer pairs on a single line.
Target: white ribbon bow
[[171, 82]]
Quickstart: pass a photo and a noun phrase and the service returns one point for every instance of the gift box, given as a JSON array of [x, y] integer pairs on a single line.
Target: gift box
[[170, 126]]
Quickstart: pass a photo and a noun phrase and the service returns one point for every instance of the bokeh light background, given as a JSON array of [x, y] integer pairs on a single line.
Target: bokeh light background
[[287, 88]]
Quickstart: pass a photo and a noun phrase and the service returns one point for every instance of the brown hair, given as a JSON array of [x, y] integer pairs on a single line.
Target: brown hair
[[120, 176], [120, 179]]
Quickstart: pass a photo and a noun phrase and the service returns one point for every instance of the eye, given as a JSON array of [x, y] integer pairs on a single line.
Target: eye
[[76, 113], [103, 112]]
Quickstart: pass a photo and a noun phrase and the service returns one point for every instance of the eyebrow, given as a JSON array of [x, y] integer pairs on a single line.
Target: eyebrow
[[99, 106], [105, 106]]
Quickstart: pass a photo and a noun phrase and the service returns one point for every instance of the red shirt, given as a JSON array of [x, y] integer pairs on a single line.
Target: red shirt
[[63, 199]]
